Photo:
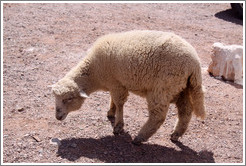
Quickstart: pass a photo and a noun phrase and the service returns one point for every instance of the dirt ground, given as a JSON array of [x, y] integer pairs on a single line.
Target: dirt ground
[[42, 42]]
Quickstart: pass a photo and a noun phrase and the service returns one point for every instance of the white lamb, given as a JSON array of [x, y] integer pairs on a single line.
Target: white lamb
[[160, 66]]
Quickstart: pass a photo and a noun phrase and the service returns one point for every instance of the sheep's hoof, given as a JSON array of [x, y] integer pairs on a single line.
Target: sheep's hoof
[[174, 137], [138, 141], [110, 116], [118, 129], [111, 119]]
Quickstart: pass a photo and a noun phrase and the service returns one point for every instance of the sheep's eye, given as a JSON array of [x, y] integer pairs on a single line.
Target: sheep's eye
[[67, 100]]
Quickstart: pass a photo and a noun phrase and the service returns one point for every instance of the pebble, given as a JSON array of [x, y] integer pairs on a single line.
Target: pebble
[[41, 151], [26, 135], [55, 141], [20, 109], [36, 138]]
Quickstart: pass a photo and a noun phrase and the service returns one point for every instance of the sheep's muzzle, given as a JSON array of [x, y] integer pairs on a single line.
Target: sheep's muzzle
[[60, 115]]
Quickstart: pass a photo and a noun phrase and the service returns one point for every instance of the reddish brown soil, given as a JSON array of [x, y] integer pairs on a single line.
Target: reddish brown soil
[[42, 42]]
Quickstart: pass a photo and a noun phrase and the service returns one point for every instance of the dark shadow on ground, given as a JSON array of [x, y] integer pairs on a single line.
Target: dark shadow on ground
[[229, 15], [119, 149], [222, 79]]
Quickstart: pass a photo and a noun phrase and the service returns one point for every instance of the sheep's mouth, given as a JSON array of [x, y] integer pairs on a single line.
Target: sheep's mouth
[[61, 117]]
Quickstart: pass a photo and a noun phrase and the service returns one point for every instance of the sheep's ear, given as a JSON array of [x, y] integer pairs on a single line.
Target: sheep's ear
[[83, 94], [55, 89]]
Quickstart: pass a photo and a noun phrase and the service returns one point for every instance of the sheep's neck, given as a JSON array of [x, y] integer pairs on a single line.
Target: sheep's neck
[[83, 75]]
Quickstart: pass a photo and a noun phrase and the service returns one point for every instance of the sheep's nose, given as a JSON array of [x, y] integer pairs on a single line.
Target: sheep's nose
[[60, 115], [58, 110]]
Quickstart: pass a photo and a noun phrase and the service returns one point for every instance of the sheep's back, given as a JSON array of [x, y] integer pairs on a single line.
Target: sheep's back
[[146, 59]]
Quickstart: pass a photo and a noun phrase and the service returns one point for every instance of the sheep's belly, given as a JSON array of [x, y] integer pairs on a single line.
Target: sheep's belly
[[142, 93]]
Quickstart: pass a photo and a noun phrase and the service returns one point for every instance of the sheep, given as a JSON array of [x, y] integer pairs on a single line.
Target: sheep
[[159, 66]]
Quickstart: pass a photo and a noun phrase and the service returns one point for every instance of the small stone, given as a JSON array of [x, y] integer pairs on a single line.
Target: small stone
[[19, 109], [41, 152], [26, 135], [31, 49], [55, 141], [21, 49], [36, 138]]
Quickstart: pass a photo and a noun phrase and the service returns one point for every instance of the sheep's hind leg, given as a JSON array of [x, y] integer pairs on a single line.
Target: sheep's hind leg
[[157, 115], [184, 115], [119, 97], [112, 110]]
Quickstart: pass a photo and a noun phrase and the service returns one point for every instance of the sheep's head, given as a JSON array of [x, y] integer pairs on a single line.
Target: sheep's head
[[68, 97]]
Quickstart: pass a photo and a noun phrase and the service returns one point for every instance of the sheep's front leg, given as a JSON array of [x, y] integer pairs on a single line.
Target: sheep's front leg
[[157, 115], [119, 97], [184, 115]]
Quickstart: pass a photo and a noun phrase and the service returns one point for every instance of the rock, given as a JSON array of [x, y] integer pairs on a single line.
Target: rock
[[36, 138], [26, 135], [41, 151], [30, 49], [19, 108], [227, 62], [55, 141]]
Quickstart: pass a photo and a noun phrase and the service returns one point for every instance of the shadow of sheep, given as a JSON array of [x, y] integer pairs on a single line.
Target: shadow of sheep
[[119, 149]]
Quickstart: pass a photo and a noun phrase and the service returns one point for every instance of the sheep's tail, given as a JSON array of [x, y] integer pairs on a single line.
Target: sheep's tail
[[197, 93]]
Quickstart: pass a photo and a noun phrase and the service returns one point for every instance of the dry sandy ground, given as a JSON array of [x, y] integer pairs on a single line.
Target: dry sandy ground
[[42, 42]]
